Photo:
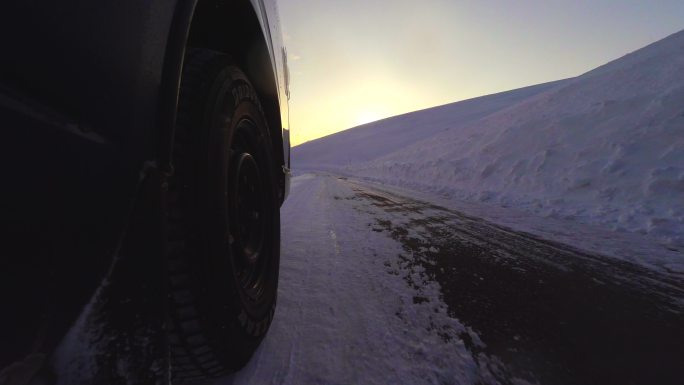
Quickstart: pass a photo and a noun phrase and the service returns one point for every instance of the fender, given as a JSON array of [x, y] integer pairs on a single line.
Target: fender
[[274, 92]]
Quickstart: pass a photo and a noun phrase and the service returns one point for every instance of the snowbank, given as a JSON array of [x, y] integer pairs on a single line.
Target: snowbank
[[373, 140], [606, 147]]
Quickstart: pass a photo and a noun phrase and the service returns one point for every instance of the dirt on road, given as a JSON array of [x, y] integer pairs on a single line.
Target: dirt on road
[[380, 288]]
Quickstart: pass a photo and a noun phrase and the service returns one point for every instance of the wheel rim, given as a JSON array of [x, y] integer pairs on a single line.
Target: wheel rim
[[249, 213]]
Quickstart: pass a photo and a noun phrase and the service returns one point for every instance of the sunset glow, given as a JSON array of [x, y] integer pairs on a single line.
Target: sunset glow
[[356, 61]]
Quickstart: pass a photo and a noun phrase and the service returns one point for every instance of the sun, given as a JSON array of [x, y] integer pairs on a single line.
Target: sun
[[367, 116]]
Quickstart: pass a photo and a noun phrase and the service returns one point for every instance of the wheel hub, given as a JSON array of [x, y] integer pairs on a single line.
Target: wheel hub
[[249, 208]]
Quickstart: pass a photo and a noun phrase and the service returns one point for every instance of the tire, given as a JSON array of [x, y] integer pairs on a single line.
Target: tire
[[223, 226]]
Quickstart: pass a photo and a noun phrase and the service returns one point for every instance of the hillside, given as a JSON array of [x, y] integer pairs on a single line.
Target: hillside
[[606, 147], [373, 140]]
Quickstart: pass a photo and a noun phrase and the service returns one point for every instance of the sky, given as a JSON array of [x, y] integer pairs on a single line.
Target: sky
[[355, 61]]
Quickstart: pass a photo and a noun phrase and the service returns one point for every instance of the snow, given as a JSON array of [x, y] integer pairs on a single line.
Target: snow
[[605, 148], [373, 140], [351, 321], [357, 306], [630, 247]]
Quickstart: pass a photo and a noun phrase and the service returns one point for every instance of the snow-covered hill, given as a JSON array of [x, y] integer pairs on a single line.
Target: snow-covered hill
[[373, 140], [606, 147]]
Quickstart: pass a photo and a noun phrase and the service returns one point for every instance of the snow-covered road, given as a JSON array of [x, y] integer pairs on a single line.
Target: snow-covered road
[[377, 288], [344, 316]]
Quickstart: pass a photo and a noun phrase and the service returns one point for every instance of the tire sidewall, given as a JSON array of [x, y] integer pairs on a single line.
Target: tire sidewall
[[236, 321]]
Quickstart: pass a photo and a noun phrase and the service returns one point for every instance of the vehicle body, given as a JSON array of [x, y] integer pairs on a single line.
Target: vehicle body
[[88, 101]]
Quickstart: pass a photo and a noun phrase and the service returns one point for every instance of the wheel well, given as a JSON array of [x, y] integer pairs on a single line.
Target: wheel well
[[232, 27]]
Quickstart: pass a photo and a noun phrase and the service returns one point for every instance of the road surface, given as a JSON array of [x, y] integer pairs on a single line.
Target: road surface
[[378, 288]]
